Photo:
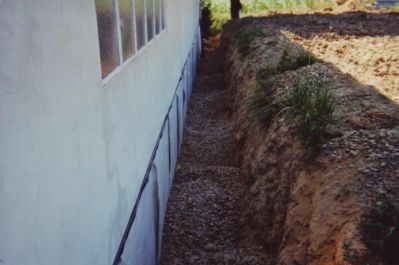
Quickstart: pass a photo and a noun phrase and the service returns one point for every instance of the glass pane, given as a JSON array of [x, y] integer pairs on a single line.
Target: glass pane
[[163, 13], [140, 23], [150, 19], [126, 24], [107, 35], [157, 16]]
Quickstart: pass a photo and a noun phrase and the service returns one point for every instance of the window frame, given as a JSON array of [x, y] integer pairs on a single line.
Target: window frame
[[136, 52]]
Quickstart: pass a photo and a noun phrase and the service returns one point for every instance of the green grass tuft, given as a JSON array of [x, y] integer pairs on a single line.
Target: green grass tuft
[[305, 59], [287, 63], [275, 41], [265, 72], [245, 37], [310, 108], [267, 83], [261, 106]]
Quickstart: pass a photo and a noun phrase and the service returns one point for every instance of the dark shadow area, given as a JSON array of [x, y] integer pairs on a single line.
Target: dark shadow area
[[367, 24]]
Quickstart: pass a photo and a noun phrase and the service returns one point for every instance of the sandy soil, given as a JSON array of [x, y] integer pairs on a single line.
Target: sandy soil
[[365, 46], [307, 213], [246, 194]]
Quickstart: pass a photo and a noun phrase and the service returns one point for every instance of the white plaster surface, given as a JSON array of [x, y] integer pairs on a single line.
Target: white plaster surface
[[162, 163], [74, 152], [141, 246]]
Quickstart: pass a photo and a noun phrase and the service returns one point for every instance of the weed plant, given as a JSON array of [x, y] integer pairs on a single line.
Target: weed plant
[[305, 59], [266, 72], [275, 41], [310, 107], [245, 37], [262, 106], [287, 63]]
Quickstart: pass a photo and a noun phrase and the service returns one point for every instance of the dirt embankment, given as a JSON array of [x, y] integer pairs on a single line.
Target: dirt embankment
[[307, 211]]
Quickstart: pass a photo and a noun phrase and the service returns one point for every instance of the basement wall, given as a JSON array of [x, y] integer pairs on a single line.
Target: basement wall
[[86, 163]]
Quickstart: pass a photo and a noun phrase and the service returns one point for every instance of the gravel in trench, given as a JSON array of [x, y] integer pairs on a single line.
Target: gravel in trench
[[202, 220]]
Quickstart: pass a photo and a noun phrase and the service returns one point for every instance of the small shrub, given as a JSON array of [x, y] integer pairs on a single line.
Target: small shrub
[[262, 106], [245, 37], [305, 59], [274, 41], [310, 107], [267, 83], [218, 15], [379, 228], [265, 72], [286, 63], [218, 23]]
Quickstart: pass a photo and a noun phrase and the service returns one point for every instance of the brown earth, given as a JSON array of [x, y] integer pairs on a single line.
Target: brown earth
[[248, 194], [308, 212]]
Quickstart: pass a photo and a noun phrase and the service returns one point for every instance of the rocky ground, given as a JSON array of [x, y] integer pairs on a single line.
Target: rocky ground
[[202, 222], [247, 193], [308, 212]]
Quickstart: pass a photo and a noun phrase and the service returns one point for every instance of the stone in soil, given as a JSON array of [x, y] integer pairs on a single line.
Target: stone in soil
[[202, 222]]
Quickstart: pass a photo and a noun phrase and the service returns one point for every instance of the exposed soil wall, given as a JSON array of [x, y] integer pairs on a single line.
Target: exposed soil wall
[[307, 212]]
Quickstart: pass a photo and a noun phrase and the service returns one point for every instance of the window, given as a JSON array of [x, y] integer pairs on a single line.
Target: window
[[124, 27], [150, 19], [158, 23], [107, 35], [163, 18], [140, 23]]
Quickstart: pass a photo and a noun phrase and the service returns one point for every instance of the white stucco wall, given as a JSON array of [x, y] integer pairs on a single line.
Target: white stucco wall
[[74, 151]]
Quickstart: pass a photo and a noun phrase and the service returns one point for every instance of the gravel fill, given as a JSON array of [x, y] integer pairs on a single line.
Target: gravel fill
[[205, 205]]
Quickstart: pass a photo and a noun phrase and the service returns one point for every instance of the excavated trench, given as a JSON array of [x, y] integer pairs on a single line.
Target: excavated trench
[[202, 222], [247, 194]]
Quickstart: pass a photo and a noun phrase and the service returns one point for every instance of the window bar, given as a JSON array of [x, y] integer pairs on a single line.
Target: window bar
[[118, 28]]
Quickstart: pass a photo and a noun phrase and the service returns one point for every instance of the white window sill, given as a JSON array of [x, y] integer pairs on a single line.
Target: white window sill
[[119, 69]]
